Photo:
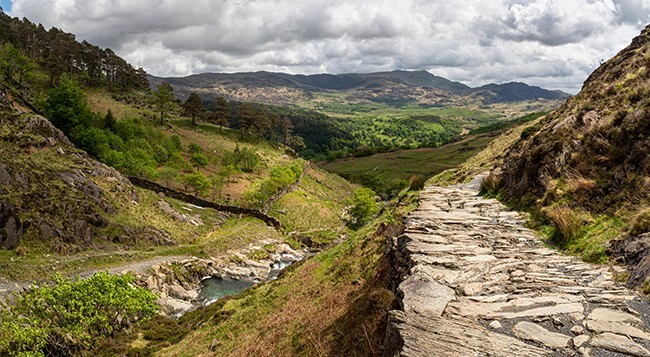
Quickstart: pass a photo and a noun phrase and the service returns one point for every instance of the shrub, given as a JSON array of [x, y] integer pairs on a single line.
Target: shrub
[[197, 182], [280, 178], [248, 160], [194, 148], [529, 131], [363, 207], [167, 175], [72, 315], [199, 160], [490, 185], [176, 142]]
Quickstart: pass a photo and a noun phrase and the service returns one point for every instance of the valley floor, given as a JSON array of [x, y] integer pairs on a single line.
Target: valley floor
[[479, 283]]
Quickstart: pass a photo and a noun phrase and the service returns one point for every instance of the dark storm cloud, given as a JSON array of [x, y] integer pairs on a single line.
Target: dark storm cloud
[[551, 42]]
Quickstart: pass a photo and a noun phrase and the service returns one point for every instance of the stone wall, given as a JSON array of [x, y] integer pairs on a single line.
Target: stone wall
[[146, 184]]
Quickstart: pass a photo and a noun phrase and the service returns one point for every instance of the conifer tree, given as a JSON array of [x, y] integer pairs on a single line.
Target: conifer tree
[[193, 107]]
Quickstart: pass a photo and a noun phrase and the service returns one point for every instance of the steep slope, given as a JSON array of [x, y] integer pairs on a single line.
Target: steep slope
[[587, 168], [64, 199]]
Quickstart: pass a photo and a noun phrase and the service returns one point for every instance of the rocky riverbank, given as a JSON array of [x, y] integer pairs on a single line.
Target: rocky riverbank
[[476, 282], [178, 282]]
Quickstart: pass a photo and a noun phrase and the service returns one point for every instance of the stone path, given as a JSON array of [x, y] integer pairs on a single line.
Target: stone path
[[478, 283]]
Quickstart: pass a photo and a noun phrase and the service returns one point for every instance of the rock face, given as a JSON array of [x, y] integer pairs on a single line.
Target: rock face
[[11, 229], [476, 282], [62, 195]]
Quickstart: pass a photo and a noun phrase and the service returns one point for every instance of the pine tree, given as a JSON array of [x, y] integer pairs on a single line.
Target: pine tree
[[221, 114], [193, 107], [163, 101]]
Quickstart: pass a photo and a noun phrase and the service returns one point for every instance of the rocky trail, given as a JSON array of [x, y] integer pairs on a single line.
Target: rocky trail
[[476, 282]]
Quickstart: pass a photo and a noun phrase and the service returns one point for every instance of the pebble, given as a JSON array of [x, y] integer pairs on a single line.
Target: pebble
[[495, 325]]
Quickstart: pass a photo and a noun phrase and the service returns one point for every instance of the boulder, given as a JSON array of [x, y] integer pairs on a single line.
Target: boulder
[[179, 292], [11, 228]]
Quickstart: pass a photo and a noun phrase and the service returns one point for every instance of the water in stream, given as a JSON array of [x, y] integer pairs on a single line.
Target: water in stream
[[213, 289]]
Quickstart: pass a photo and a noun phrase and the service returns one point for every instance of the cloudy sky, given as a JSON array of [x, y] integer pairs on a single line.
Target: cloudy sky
[[550, 43]]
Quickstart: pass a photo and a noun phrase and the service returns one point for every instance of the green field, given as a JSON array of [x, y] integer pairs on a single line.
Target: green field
[[402, 164]]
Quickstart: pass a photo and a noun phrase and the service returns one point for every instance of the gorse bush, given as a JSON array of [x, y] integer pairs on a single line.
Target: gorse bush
[[71, 315]]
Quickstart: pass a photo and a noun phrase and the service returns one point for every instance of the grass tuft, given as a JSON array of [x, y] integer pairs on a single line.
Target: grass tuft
[[567, 223], [640, 222], [490, 185]]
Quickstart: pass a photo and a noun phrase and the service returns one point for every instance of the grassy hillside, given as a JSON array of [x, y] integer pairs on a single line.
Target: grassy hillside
[[131, 224], [388, 172], [402, 164], [334, 304]]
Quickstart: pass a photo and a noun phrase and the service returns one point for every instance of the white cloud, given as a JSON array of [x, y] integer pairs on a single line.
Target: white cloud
[[553, 43]]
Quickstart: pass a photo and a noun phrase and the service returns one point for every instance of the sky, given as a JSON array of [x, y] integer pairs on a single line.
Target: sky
[[554, 44]]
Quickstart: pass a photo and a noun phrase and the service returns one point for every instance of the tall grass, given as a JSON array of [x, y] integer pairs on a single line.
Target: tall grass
[[490, 185], [566, 222]]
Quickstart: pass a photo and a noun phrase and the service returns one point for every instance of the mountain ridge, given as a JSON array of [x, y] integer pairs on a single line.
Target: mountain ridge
[[228, 85]]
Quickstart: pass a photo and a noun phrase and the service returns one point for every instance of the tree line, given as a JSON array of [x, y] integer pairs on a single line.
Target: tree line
[[58, 52]]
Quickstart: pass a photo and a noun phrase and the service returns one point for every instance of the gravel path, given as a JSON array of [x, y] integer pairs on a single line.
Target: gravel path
[[477, 282]]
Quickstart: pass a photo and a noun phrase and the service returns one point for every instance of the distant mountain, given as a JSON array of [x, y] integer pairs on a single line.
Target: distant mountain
[[514, 92], [390, 87]]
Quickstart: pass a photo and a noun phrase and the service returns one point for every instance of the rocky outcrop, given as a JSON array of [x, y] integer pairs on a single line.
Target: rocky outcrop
[[476, 282], [11, 228], [59, 194], [634, 251]]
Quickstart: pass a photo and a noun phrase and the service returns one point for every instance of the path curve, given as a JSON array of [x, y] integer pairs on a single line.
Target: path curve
[[476, 282]]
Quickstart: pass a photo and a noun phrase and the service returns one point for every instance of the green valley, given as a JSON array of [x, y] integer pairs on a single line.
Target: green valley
[[388, 213]]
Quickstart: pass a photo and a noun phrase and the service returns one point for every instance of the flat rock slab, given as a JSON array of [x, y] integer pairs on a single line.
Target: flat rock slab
[[428, 336], [480, 283], [533, 332], [428, 297], [618, 343]]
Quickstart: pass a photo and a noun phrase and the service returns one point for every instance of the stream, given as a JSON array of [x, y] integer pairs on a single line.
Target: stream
[[215, 288]]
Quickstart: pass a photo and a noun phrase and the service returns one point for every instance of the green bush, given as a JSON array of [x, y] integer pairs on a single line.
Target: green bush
[[199, 160], [197, 182], [71, 315], [194, 148], [176, 142], [66, 106], [245, 159], [280, 178], [363, 207], [529, 131]]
